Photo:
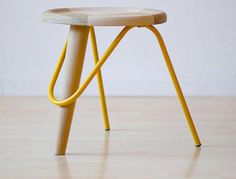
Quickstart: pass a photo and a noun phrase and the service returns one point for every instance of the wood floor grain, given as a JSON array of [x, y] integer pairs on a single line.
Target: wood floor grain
[[149, 138]]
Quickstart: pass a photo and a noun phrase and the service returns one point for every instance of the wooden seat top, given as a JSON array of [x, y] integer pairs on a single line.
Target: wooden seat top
[[105, 16]]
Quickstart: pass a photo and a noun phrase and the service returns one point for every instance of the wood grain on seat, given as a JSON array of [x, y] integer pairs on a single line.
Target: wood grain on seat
[[105, 16]]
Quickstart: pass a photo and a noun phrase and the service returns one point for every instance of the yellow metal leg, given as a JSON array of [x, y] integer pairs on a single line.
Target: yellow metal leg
[[99, 79], [71, 99], [176, 84]]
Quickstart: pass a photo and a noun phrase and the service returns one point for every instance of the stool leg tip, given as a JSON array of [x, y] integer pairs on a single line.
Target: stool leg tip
[[107, 129], [199, 145], [59, 154]]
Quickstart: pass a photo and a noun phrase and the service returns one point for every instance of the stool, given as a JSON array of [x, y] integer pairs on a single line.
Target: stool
[[82, 22]]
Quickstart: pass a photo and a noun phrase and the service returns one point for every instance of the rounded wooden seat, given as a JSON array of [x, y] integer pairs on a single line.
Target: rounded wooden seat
[[105, 16]]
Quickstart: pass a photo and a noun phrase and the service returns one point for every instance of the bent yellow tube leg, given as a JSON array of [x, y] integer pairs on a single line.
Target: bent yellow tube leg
[[176, 84], [84, 85]]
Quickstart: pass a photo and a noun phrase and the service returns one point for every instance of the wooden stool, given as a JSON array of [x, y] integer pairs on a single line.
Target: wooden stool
[[82, 22]]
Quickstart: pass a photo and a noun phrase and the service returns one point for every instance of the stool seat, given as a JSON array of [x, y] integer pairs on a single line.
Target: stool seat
[[105, 16]]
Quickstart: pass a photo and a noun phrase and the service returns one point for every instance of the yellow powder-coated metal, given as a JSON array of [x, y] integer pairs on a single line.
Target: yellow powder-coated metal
[[56, 73], [99, 79], [97, 67], [99, 64], [176, 84]]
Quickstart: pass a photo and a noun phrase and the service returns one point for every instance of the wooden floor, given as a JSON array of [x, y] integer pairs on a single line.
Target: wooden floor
[[149, 138]]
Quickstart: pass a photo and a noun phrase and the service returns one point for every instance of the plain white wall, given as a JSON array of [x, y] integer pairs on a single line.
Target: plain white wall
[[200, 36]]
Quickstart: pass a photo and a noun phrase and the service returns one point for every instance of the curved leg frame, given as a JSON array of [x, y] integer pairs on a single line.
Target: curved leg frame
[[177, 85], [70, 100]]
